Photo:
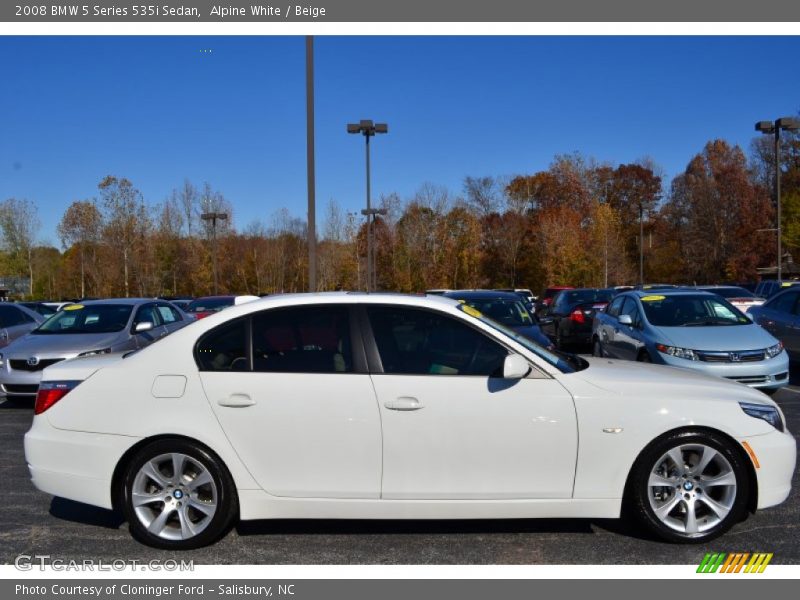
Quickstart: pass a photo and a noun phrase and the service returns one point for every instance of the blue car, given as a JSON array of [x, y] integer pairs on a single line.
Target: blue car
[[693, 330], [507, 308]]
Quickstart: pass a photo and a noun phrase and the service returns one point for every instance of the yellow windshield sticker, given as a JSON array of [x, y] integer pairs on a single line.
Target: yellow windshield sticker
[[787, 284], [74, 307], [472, 312], [652, 298]]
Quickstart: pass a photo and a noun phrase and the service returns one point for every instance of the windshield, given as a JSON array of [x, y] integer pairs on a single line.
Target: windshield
[[731, 292], [96, 318], [587, 296], [209, 304], [562, 364], [511, 313], [701, 310]]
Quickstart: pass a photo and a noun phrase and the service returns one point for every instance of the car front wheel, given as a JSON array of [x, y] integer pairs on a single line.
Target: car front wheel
[[689, 487], [597, 348], [177, 495]]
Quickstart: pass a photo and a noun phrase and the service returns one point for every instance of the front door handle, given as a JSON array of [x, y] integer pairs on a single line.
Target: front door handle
[[236, 401], [404, 403]]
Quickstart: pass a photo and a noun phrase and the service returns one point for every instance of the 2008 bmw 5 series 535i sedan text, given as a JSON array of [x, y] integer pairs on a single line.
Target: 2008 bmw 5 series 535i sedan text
[[370, 406]]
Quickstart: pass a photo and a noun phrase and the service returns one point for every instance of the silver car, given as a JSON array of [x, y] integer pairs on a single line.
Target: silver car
[[15, 321], [694, 330], [92, 327]]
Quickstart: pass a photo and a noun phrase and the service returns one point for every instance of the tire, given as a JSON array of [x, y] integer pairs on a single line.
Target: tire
[[644, 357], [666, 512], [771, 391], [180, 514], [597, 348]]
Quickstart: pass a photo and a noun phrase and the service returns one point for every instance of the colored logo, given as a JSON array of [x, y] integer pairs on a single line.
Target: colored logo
[[735, 562]]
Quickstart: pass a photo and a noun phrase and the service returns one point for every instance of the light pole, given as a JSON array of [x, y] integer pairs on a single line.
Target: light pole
[[368, 129], [310, 167], [770, 128], [214, 217], [641, 244]]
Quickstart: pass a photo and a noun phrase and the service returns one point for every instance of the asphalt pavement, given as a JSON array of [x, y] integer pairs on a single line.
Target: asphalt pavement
[[37, 524]]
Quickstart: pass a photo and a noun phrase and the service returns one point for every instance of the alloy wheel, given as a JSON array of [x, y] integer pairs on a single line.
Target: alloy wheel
[[174, 496], [692, 488]]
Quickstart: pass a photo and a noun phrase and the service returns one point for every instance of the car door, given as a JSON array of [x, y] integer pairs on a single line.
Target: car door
[[170, 316], [452, 427], [609, 326], [626, 337], [291, 389], [147, 313], [792, 339]]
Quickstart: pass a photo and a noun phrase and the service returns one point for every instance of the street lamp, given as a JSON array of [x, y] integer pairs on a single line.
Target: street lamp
[[770, 128], [214, 217], [368, 129]]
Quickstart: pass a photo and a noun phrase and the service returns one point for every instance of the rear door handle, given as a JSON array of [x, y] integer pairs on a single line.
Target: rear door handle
[[236, 401], [404, 403]]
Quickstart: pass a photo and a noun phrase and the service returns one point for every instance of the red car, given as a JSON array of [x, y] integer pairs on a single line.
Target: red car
[[207, 305], [547, 297]]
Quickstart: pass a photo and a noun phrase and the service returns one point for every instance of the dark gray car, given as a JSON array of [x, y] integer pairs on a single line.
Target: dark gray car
[[780, 315], [92, 327], [15, 321]]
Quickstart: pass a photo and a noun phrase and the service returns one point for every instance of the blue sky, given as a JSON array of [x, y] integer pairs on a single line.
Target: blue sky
[[159, 110]]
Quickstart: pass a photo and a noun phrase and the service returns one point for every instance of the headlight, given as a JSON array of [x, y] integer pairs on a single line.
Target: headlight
[[678, 352], [769, 414], [93, 352], [773, 351]]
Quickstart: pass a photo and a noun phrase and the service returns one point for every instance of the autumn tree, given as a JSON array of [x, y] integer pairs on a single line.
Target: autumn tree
[[80, 228], [19, 224]]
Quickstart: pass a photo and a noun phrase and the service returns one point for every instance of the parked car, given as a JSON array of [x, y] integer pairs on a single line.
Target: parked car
[[767, 288], [738, 296], [44, 309], [568, 320], [649, 287], [546, 297], [94, 327], [693, 330], [208, 305], [506, 308], [343, 406], [780, 315], [524, 293], [15, 321]]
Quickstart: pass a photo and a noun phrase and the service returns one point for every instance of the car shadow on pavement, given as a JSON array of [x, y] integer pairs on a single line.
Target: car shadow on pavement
[[77, 512]]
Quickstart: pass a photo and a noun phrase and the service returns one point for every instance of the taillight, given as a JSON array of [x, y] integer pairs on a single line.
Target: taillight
[[577, 316], [51, 392]]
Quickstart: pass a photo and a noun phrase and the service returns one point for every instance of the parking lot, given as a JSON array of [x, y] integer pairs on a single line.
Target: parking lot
[[34, 523]]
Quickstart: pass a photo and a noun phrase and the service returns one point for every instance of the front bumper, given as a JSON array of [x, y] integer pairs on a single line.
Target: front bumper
[[776, 454], [73, 464], [772, 373]]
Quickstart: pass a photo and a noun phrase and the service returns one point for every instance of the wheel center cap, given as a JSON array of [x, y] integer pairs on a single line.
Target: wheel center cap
[[687, 485], [177, 494]]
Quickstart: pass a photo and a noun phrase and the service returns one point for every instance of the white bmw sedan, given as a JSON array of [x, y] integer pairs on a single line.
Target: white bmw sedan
[[359, 406]]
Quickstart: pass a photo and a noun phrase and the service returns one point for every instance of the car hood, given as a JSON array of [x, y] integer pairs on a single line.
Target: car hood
[[642, 380], [721, 337], [59, 345]]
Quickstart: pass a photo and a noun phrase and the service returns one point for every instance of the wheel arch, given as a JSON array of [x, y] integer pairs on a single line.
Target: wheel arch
[[118, 476], [752, 499]]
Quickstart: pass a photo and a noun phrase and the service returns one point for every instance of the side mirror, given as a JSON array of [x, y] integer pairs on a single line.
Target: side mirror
[[515, 367], [143, 326], [625, 320]]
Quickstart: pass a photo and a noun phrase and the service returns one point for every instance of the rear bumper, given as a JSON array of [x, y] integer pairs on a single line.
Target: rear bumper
[[73, 464], [776, 453]]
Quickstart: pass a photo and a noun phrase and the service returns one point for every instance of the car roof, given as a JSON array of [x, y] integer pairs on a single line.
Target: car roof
[[483, 294], [667, 292], [126, 301]]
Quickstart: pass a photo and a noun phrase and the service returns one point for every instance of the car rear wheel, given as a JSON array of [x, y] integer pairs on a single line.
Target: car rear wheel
[[597, 348], [689, 487], [177, 495], [644, 357]]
